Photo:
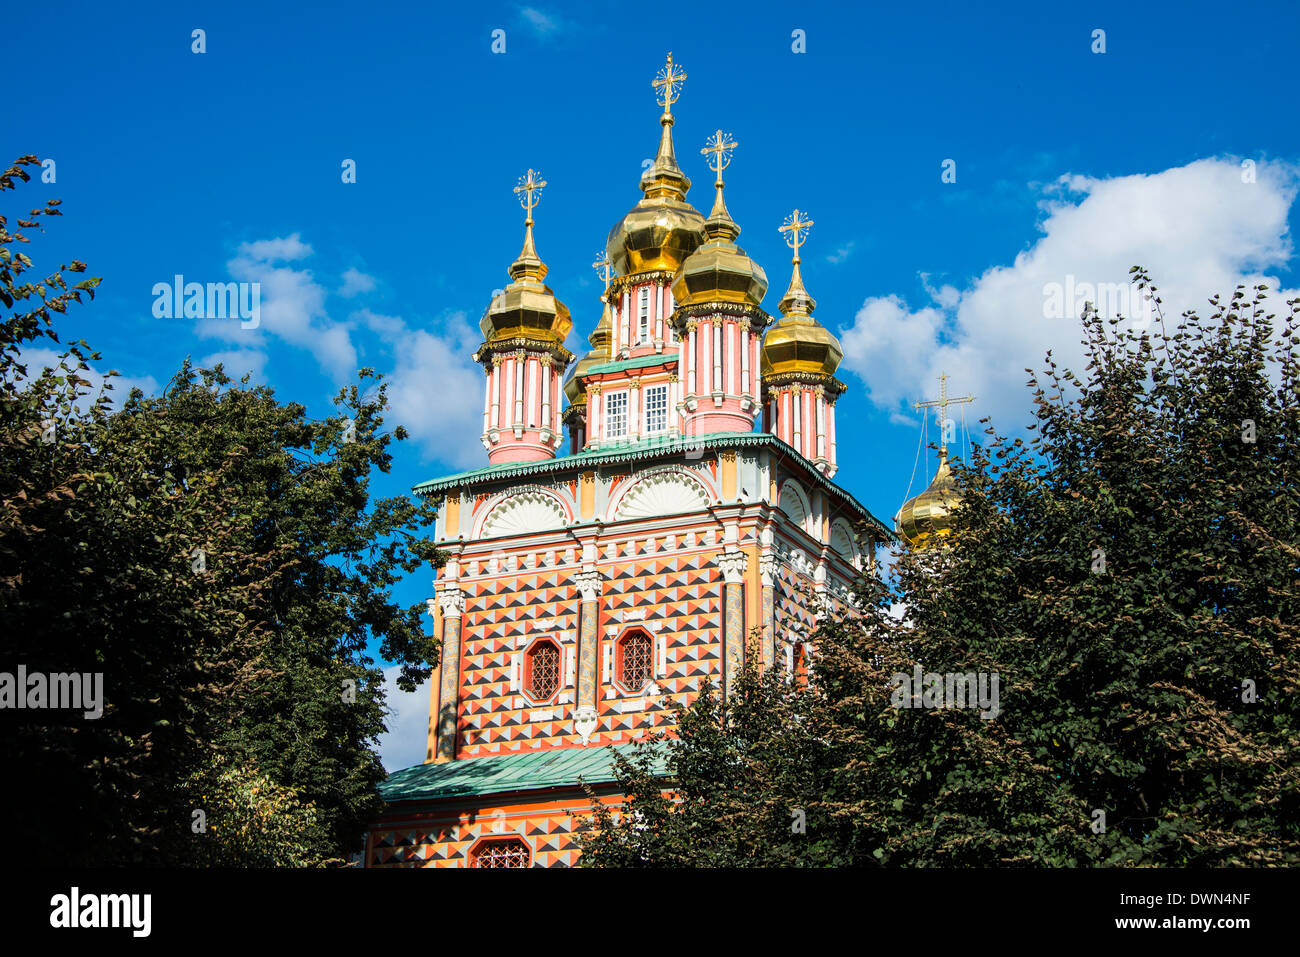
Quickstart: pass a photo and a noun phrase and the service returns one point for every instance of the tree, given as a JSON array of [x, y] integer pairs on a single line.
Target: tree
[[1130, 575], [215, 555]]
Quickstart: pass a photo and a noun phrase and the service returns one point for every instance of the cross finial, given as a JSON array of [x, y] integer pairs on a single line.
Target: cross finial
[[669, 84], [718, 151], [941, 404], [604, 267], [796, 229], [530, 191]]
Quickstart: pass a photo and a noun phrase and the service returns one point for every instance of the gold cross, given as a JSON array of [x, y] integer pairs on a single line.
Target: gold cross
[[669, 83], [530, 190], [796, 226], [941, 404], [604, 267], [718, 150]]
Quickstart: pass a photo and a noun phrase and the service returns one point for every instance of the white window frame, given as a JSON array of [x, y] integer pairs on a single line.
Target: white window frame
[[609, 418], [643, 320], [651, 390]]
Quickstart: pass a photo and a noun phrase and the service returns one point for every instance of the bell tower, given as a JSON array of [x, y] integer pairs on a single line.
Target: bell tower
[[523, 354], [800, 357]]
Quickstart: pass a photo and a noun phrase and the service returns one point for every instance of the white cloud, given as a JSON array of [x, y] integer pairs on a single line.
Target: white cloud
[[841, 254], [292, 307], [237, 362], [36, 359], [270, 250], [435, 389], [542, 23], [1198, 229], [406, 741], [354, 282]]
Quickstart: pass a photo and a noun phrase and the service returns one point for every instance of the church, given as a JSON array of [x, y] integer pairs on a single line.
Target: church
[[652, 514]]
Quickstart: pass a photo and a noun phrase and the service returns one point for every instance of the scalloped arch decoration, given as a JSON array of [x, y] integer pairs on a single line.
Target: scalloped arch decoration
[[842, 540], [662, 493], [522, 513], [794, 502]]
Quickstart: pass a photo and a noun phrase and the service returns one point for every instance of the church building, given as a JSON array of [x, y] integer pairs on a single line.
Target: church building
[[650, 515]]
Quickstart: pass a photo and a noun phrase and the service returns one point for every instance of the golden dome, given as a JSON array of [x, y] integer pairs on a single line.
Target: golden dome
[[600, 340], [660, 231], [798, 343], [719, 271], [526, 308], [927, 518]]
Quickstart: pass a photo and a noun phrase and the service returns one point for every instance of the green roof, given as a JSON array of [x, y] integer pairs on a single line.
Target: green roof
[[516, 771], [643, 449], [638, 363]]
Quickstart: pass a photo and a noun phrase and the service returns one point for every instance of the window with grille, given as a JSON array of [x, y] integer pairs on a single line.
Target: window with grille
[[615, 415], [645, 314], [637, 665], [656, 409], [543, 670], [507, 853]]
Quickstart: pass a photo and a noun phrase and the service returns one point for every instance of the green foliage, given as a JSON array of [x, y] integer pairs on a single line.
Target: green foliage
[[250, 821], [1130, 574], [216, 555]]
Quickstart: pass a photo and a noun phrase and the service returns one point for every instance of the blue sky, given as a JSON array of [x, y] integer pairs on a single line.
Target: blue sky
[[1070, 165]]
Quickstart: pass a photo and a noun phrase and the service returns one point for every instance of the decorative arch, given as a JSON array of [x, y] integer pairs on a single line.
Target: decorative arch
[[842, 540], [793, 500], [664, 491], [521, 511]]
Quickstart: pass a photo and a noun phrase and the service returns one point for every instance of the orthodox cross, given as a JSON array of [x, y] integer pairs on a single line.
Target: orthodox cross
[[669, 84], [940, 405], [530, 191], [796, 229], [718, 150], [604, 267]]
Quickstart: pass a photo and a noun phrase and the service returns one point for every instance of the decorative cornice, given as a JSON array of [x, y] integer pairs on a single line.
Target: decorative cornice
[[758, 319], [493, 352], [619, 283], [652, 449], [833, 386]]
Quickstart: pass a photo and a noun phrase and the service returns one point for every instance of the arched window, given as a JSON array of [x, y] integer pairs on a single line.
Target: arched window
[[542, 677], [635, 661], [508, 852]]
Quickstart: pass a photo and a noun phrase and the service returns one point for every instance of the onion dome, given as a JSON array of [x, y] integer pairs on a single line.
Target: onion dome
[[928, 518], [601, 339], [527, 309], [798, 343], [662, 229], [719, 271]]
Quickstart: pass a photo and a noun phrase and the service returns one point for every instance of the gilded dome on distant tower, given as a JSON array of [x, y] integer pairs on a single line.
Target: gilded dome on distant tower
[[660, 231], [526, 308], [719, 270], [798, 343], [927, 518], [601, 339]]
